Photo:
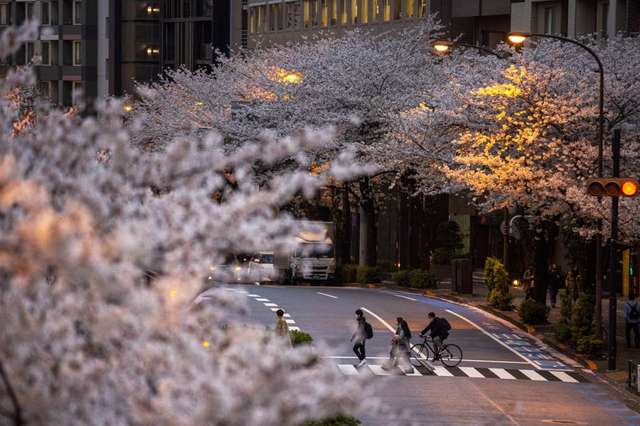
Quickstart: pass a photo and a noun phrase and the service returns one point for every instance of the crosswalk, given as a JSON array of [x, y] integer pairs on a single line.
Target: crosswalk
[[467, 372]]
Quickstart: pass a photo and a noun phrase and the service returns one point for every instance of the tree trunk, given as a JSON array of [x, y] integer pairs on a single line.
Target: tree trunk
[[541, 258], [17, 409], [368, 219]]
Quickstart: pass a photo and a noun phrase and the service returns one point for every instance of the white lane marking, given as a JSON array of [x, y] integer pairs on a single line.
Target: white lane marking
[[383, 322], [355, 357], [502, 373], [493, 337], [287, 315], [471, 372], [348, 369], [563, 376], [494, 362], [275, 309], [442, 372], [533, 375], [271, 304], [294, 328], [414, 373], [405, 297], [262, 299], [378, 370], [290, 321], [328, 295], [254, 295]]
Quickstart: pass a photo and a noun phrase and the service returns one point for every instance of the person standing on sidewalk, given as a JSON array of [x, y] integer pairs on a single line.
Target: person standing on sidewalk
[[631, 312], [555, 283], [363, 332]]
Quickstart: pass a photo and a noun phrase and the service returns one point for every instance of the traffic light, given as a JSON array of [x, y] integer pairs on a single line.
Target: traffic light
[[612, 187]]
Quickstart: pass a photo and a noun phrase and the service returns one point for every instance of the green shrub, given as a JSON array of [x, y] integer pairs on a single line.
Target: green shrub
[[401, 278], [488, 280], [422, 279], [346, 273], [367, 274], [533, 312], [339, 420], [449, 241], [562, 332], [589, 345], [582, 321], [496, 280], [300, 338]]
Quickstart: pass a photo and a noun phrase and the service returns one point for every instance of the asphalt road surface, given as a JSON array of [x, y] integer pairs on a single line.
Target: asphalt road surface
[[506, 378]]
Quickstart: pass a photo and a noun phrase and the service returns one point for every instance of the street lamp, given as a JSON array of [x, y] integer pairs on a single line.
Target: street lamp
[[444, 47], [518, 39]]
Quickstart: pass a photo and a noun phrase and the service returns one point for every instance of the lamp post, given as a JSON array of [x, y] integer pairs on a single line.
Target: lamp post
[[518, 39]]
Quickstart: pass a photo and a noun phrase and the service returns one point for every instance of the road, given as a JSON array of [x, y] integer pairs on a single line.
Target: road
[[506, 378]]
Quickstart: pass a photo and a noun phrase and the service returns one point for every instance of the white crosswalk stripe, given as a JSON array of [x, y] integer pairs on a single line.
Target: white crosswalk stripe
[[467, 372]]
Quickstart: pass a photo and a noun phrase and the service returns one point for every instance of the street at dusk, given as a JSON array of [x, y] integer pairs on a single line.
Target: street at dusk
[[319, 212]]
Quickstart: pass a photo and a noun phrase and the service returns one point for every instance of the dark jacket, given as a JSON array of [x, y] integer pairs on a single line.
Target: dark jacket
[[437, 328]]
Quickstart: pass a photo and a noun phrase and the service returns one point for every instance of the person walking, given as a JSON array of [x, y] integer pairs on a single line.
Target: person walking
[[527, 283], [555, 283], [631, 312], [282, 328], [400, 344], [363, 332]]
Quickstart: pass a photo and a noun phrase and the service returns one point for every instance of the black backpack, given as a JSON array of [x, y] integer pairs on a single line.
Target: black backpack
[[445, 326], [634, 314], [368, 330]]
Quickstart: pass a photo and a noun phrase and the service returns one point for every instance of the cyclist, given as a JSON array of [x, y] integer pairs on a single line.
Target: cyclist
[[439, 328]]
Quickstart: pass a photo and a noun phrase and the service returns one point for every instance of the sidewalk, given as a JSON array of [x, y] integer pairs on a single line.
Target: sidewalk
[[617, 379]]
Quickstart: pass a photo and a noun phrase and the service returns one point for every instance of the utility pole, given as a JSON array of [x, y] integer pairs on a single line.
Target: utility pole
[[613, 256]]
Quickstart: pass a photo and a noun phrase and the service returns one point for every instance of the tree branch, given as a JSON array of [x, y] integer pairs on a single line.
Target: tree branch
[[17, 410]]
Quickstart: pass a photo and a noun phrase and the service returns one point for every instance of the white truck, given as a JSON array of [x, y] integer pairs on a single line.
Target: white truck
[[314, 258]]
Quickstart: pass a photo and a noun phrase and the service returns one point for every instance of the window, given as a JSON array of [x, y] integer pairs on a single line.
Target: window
[[45, 52], [77, 53], [53, 12], [422, 8], [343, 12], [77, 91], [273, 17], [324, 17], [77, 12], [549, 20], [5, 16], [44, 89], [387, 10], [397, 10], [409, 11], [354, 11], [45, 16], [29, 10], [334, 12], [364, 14]]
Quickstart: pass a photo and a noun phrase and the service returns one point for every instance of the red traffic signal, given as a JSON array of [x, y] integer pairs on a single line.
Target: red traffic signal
[[612, 187]]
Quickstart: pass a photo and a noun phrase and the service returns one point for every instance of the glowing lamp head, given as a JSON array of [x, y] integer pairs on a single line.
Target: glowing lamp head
[[292, 78], [517, 39], [127, 108], [442, 46], [629, 188]]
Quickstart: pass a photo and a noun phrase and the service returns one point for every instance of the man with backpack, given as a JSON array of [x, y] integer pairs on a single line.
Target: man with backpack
[[363, 332], [439, 328], [631, 312]]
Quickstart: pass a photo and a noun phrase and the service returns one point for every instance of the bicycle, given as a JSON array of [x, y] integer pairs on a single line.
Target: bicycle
[[450, 354]]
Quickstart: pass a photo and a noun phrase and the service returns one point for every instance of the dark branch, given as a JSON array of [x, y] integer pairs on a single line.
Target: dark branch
[[17, 410]]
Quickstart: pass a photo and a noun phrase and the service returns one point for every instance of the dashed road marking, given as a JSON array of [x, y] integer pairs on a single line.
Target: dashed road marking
[[405, 297], [327, 295]]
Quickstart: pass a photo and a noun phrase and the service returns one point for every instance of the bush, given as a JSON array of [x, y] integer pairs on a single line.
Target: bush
[[589, 345], [422, 279], [448, 240], [497, 281], [386, 266], [367, 274], [401, 278], [533, 312], [582, 322], [562, 332], [300, 338], [346, 273], [339, 420]]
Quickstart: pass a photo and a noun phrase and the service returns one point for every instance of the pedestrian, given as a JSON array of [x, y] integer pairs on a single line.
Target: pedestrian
[[631, 312], [400, 343], [527, 283], [282, 328], [439, 328], [555, 283], [363, 332]]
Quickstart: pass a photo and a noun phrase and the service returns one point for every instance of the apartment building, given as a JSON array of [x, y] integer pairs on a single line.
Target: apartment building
[[66, 53], [575, 17], [278, 21]]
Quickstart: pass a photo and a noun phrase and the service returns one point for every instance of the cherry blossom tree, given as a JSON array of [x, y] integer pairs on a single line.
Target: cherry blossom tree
[[102, 253]]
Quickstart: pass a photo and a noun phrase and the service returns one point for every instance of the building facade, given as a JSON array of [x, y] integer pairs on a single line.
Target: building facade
[[576, 17], [65, 56]]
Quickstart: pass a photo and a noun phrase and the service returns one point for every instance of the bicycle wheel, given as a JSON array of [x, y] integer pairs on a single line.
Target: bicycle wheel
[[419, 354], [451, 355]]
